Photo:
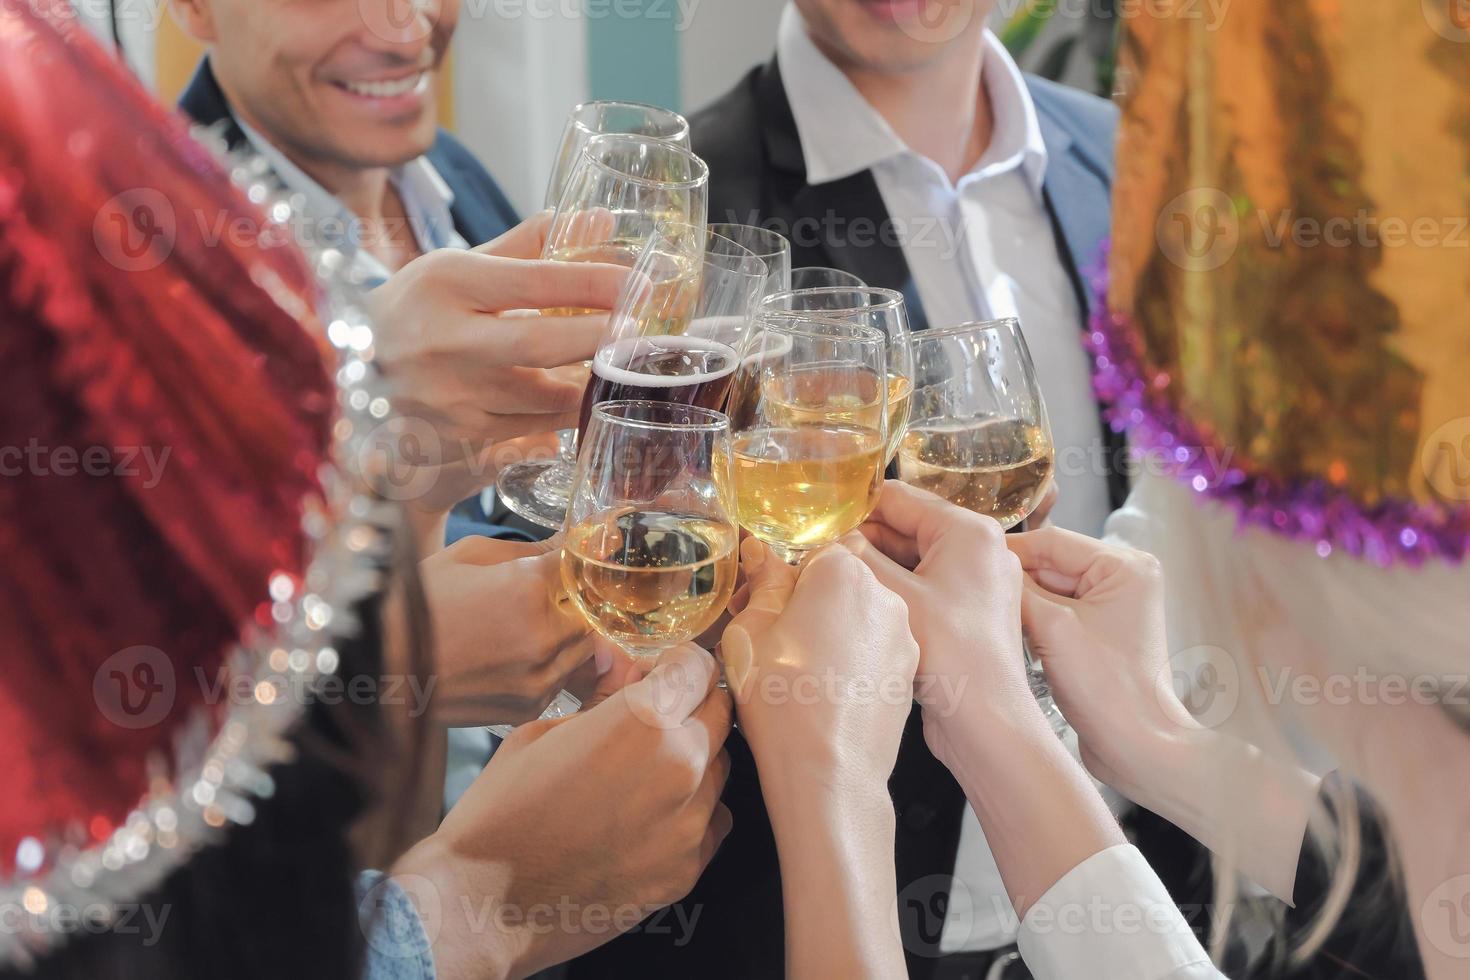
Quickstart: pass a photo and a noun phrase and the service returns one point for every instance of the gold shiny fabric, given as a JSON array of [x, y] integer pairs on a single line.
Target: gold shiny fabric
[[1292, 232]]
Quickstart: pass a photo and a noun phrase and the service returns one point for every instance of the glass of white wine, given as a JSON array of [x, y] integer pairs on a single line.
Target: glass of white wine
[[978, 434], [882, 309], [597, 118], [809, 408], [652, 547]]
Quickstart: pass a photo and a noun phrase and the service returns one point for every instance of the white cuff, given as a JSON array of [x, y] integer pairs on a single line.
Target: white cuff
[[1110, 918]]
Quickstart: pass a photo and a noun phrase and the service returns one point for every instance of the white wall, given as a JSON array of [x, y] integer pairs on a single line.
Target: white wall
[[721, 40]]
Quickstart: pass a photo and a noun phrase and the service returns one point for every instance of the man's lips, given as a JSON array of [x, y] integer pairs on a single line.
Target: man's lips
[[895, 10]]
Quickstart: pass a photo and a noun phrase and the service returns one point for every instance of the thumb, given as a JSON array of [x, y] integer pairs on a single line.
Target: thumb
[[617, 669], [1048, 619], [769, 583]]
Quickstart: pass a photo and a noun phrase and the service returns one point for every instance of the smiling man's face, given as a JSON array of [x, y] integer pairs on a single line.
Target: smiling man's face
[[347, 83]]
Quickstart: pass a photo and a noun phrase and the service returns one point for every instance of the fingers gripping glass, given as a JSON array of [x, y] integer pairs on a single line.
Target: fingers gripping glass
[[978, 433], [671, 337], [809, 408]]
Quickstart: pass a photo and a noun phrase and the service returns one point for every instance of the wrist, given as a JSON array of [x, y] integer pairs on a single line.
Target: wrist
[[462, 949]]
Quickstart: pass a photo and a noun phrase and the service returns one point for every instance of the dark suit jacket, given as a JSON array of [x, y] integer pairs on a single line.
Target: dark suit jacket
[[480, 210], [757, 175]]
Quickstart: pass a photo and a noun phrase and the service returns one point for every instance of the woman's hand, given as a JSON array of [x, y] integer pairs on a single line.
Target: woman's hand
[[470, 371], [821, 663], [1095, 615], [579, 827], [488, 674], [963, 591]]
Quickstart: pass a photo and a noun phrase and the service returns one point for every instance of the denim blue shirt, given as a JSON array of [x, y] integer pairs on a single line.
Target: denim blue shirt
[[397, 945]]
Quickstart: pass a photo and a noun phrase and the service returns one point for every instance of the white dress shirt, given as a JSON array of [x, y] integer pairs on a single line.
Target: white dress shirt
[[427, 200], [979, 249], [1110, 918]]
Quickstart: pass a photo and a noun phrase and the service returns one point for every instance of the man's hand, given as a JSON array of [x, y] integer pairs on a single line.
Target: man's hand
[[489, 673], [580, 827], [471, 370]]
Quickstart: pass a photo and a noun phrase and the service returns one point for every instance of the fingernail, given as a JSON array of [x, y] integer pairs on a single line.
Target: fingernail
[[602, 658]]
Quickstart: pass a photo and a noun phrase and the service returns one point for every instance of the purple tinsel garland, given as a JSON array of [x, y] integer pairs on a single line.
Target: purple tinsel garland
[[1311, 510]]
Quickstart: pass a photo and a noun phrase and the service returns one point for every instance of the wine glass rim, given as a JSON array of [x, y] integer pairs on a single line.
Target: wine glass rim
[[789, 322], [737, 260], [779, 242], [1010, 323], [714, 421], [892, 298], [700, 168], [682, 127]]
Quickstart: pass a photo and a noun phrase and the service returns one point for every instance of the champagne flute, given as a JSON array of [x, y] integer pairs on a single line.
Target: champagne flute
[[771, 247], [820, 276], [596, 118], [651, 548], [809, 407], [978, 433], [621, 190], [882, 309], [671, 337]]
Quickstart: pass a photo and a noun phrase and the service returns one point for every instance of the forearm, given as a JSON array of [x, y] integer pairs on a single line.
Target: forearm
[[1241, 803], [1041, 814], [838, 880]]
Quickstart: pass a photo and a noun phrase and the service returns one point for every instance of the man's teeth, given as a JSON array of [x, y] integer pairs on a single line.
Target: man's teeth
[[386, 90]]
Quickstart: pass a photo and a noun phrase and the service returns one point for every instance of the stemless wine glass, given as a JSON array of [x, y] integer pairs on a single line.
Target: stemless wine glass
[[771, 247], [978, 434], [651, 546], [820, 276], [882, 309], [809, 407], [671, 337], [596, 118]]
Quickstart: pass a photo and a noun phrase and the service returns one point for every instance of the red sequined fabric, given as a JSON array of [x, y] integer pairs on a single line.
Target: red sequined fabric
[[166, 410]]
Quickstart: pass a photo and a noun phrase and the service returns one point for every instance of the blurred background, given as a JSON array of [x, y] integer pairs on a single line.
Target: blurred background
[[519, 65]]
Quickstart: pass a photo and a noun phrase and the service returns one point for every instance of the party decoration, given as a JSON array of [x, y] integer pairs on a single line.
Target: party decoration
[[1285, 309]]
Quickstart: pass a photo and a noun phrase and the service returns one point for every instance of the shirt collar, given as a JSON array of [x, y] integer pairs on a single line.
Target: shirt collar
[[841, 133], [426, 197]]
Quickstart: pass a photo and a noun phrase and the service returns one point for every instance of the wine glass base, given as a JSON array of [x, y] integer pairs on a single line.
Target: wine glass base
[[537, 491]]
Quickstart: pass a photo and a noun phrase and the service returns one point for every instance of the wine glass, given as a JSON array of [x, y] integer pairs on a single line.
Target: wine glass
[[651, 547], [596, 118], [809, 408], [671, 337], [771, 247], [978, 434], [820, 276], [882, 309]]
